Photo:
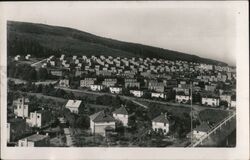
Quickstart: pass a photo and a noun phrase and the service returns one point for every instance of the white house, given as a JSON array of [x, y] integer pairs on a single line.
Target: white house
[[121, 114], [201, 130], [87, 82], [52, 63], [182, 98], [21, 107], [136, 93], [27, 57], [35, 119], [116, 90], [96, 87], [73, 105], [226, 97], [233, 103], [210, 101], [39, 118], [100, 122], [161, 123], [35, 140], [158, 95], [17, 57], [62, 57], [74, 57], [64, 83]]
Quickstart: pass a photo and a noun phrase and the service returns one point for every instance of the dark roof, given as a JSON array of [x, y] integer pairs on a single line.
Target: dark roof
[[209, 95], [161, 118], [203, 127], [121, 110], [101, 117]]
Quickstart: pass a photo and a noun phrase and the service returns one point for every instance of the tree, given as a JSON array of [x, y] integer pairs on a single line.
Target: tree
[[81, 109], [83, 121], [42, 74]]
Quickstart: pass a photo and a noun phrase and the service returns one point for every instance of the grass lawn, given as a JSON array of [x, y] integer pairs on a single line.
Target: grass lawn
[[40, 95], [213, 116], [97, 106], [175, 110]]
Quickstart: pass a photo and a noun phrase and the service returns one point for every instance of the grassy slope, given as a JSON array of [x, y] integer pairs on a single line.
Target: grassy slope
[[73, 41]]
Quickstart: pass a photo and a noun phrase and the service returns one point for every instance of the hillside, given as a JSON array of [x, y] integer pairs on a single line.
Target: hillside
[[44, 40]]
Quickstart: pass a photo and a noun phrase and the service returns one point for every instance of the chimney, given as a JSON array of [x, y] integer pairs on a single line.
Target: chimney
[[42, 108], [15, 116], [37, 132], [47, 134], [165, 115]]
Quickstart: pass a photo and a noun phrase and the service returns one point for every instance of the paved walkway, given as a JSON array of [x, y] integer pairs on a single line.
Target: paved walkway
[[37, 63]]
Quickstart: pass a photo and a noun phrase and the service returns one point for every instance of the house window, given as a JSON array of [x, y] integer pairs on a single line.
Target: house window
[[164, 124], [22, 144], [38, 116], [164, 130], [155, 129], [20, 107]]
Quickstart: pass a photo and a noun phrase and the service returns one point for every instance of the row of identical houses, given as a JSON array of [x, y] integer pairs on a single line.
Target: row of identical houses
[[131, 67], [158, 90]]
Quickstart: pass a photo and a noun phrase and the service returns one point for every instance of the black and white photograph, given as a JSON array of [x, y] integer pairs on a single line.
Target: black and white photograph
[[126, 75]]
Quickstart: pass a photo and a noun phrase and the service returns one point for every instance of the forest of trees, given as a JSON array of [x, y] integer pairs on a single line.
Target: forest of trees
[[81, 42], [26, 72]]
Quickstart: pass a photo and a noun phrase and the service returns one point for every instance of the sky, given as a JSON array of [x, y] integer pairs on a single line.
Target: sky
[[205, 29]]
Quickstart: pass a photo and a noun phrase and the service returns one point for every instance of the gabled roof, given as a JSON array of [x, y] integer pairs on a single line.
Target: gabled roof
[[203, 127], [101, 117], [161, 118], [73, 103], [121, 110]]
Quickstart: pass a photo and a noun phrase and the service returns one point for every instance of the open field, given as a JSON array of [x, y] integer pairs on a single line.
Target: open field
[[40, 95]]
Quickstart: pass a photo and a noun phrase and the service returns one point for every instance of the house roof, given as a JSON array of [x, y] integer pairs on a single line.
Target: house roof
[[203, 127], [161, 118], [121, 110], [101, 117], [73, 103], [35, 137]]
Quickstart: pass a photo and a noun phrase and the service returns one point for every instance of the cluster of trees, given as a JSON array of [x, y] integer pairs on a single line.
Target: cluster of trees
[[48, 90], [18, 45], [26, 72], [21, 71], [114, 102], [75, 120]]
